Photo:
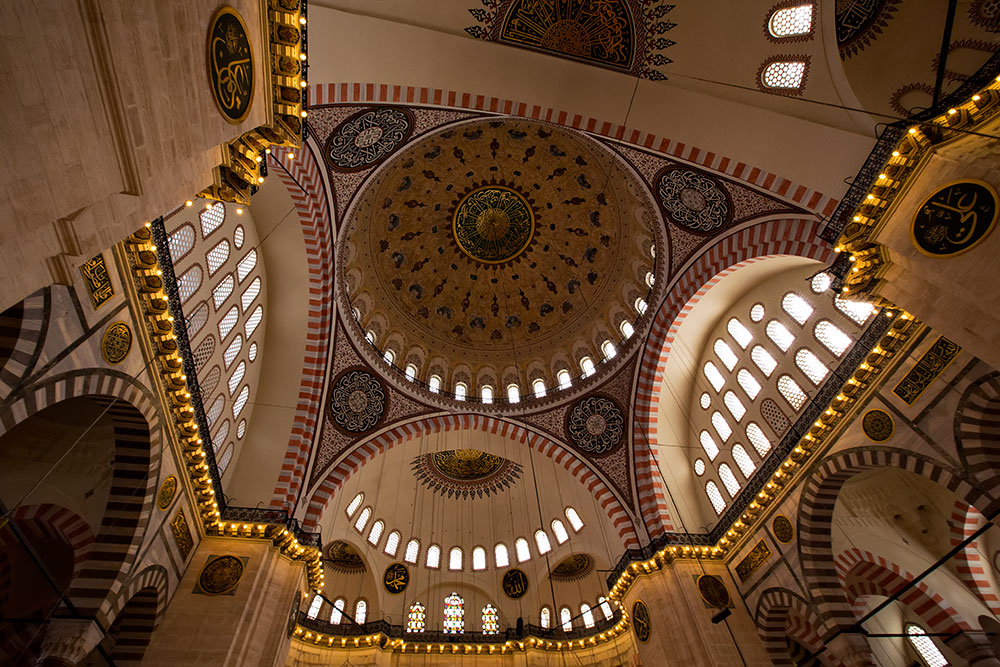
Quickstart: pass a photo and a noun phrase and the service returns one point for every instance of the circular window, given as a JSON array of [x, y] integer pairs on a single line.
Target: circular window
[[699, 467], [242, 428], [253, 351], [757, 312], [238, 237], [706, 400], [821, 282]]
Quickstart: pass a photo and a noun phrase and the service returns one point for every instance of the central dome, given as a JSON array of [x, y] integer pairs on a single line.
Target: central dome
[[497, 252]]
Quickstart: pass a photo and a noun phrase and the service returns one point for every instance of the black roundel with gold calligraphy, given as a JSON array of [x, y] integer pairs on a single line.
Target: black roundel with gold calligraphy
[[493, 224], [396, 578], [230, 64], [641, 621], [955, 218], [515, 584]]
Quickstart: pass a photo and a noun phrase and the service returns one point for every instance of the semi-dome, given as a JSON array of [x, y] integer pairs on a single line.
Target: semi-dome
[[499, 252]]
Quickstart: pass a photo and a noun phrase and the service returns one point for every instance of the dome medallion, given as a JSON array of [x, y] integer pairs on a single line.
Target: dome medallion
[[493, 224]]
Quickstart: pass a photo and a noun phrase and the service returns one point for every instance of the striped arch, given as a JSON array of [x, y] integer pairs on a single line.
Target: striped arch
[[134, 472], [864, 573], [367, 451], [977, 431], [53, 521], [772, 238], [965, 521], [783, 614], [136, 610], [22, 332], [815, 517], [317, 228]]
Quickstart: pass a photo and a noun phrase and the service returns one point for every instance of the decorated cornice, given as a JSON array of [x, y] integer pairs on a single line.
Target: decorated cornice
[[152, 294], [244, 163]]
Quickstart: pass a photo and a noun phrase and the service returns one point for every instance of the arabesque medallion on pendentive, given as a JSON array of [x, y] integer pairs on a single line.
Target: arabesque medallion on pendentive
[[955, 218], [367, 138], [357, 401], [493, 223], [596, 425], [230, 64], [694, 200], [877, 425]]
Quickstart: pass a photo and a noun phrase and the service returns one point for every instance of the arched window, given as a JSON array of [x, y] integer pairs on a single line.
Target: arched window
[[729, 480], [362, 520], [513, 393], [188, 283], [370, 336], [521, 549], [796, 307], [228, 322], [227, 456], [392, 543], [858, 311], [490, 624], [626, 329], [180, 242], [811, 366], [460, 390], [416, 619], [608, 349], [455, 559], [355, 504], [237, 376], [725, 354], [566, 619], [757, 312], [649, 279], [337, 613], [748, 383], [214, 412], [542, 542], [740, 333], [241, 401], [758, 439], [780, 335], [715, 497], [246, 265], [538, 386], [743, 461], [605, 608], [486, 394], [791, 21], [317, 602], [784, 74], [559, 530], [820, 283], [217, 256], [197, 320], [574, 519], [412, 551], [734, 405], [831, 337], [389, 356], [220, 436], [375, 534], [211, 218], [640, 306], [433, 556], [204, 351], [791, 391], [563, 378], [479, 559], [434, 383], [763, 359], [587, 615], [708, 444], [721, 426], [411, 372], [714, 375], [360, 612], [545, 618], [500, 555], [587, 365], [925, 646], [454, 614], [253, 321]]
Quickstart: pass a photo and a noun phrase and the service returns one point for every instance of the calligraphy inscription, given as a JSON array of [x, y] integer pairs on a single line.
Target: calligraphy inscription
[[493, 224], [396, 578], [182, 534], [515, 584], [230, 64], [927, 368], [753, 560], [95, 277], [955, 218], [641, 621]]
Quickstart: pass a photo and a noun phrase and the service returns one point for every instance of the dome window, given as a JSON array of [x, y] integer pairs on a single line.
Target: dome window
[[587, 365], [434, 384], [460, 390], [608, 349], [627, 330], [640, 306], [513, 393], [538, 386], [389, 356], [486, 394], [411, 372], [564, 380]]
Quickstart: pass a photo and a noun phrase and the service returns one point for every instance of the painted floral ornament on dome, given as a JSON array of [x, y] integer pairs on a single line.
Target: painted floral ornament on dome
[[693, 200], [596, 425], [357, 401], [367, 138]]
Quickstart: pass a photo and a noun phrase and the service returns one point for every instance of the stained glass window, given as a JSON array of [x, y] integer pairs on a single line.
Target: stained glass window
[[222, 291], [785, 74], [925, 646], [521, 548], [376, 532], [412, 551], [566, 619], [227, 323], [735, 405], [791, 391], [454, 614], [763, 359], [859, 311], [542, 542], [246, 265], [181, 242], [714, 376], [479, 559], [574, 519], [392, 543], [241, 401], [715, 496], [545, 618], [217, 256], [587, 615], [559, 530], [455, 558], [215, 411], [500, 555], [743, 461], [708, 444], [253, 321], [250, 293], [314, 607], [725, 354], [832, 337], [729, 479], [355, 504], [360, 612], [189, 282], [796, 307], [791, 21], [721, 426], [416, 619], [809, 364], [758, 439], [433, 556], [490, 624], [237, 376], [366, 513], [211, 218], [538, 386], [780, 334], [337, 613], [748, 382]]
